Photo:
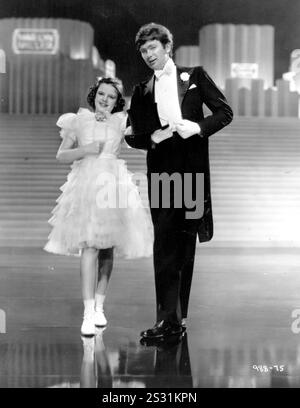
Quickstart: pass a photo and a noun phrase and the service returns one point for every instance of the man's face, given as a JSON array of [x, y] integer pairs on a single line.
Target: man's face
[[155, 54]]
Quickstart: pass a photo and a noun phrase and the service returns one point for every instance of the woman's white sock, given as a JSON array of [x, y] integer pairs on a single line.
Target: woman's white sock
[[89, 306]]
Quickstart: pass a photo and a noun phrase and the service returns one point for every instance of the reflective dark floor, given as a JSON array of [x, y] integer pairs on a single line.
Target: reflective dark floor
[[239, 329]]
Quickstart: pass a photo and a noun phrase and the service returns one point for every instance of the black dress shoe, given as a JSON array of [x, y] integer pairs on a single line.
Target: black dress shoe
[[151, 342], [162, 343], [162, 329], [170, 342]]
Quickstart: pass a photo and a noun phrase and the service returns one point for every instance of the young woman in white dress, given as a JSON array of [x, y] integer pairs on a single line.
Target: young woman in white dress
[[99, 212]]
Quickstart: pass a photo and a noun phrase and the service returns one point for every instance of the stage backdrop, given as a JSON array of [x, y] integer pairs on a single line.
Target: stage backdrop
[[49, 64]]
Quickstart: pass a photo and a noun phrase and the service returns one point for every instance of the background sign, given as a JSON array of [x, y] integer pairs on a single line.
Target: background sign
[[35, 41], [244, 70]]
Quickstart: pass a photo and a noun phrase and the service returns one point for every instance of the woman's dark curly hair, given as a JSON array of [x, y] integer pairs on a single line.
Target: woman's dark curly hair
[[119, 107]]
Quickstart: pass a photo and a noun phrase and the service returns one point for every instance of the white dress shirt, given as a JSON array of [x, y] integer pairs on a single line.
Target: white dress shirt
[[166, 95]]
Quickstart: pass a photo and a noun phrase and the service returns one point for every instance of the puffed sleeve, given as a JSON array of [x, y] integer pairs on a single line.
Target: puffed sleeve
[[120, 119], [123, 121], [68, 124]]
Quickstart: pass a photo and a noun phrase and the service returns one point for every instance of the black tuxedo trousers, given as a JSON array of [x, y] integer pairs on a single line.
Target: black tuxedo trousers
[[174, 234]]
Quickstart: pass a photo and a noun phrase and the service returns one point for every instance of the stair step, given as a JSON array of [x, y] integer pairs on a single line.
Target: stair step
[[254, 172], [23, 216], [21, 243], [31, 183], [29, 194], [26, 235], [28, 224], [45, 209]]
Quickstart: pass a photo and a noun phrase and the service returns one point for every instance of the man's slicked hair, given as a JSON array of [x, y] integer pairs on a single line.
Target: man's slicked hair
[[153, 31]]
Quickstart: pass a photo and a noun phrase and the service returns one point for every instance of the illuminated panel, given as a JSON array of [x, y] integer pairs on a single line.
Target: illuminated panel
[[2, 321], [2, 62], [295, 61], [35, 41], [244, 70], [110, 69]]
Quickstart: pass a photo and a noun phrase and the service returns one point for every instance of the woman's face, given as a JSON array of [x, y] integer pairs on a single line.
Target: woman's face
[[106, 98]]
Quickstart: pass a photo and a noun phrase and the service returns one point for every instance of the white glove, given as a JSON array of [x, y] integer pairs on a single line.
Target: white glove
[[128, 131], [160, 135], [186, 128]]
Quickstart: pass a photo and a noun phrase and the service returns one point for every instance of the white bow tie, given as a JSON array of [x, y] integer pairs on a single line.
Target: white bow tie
[[167, 70]]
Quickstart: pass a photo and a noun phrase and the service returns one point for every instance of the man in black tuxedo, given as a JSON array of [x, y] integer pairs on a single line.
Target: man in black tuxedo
[[167, 120]]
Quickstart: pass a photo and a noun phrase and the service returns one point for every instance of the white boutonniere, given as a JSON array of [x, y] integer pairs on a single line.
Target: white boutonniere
[[184, 76]]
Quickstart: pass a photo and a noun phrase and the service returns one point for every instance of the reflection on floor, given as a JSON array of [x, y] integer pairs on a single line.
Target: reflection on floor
[[239, 330]]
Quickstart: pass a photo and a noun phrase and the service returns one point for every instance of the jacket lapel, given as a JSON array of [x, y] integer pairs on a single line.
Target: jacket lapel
[[149, 88], [183, 85]]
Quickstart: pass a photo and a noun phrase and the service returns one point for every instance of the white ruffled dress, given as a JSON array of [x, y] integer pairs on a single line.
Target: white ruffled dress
[[100, 206]]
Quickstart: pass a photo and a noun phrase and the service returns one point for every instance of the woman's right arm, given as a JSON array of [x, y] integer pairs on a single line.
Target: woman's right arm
[[67, 154]]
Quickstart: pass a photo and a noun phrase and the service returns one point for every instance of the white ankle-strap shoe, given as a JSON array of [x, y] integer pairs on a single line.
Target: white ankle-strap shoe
[[88, 325], [100, 319]]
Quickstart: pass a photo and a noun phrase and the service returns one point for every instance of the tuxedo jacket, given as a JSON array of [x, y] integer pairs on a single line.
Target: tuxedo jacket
[[195, 88]]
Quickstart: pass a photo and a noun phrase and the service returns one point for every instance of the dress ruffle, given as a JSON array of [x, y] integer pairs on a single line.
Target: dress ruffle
[[99, 206]]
